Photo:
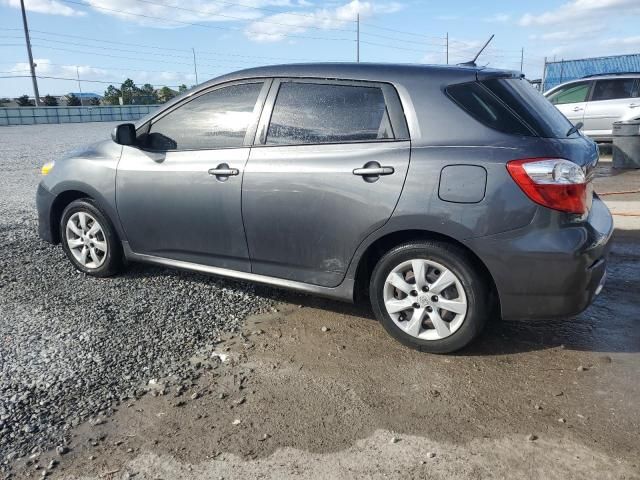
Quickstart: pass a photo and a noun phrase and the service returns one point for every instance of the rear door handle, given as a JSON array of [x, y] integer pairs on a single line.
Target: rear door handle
[[371, 171], [634, 105], [577, 109], [222, 172]]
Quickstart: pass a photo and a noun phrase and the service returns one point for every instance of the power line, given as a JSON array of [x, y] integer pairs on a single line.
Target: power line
[[158, 47], [131, 58], [387, 37], [402, 31], [399, 48], [50, 77]]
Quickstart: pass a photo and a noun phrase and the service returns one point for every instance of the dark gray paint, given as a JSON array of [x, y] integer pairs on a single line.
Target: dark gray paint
[[308, 221]]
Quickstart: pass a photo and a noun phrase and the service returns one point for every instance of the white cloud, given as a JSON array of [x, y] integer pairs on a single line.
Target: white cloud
[[51, 7], [565, 36], [581, 11], [275, 28], [45, 67], [630, 42], [497, 18]]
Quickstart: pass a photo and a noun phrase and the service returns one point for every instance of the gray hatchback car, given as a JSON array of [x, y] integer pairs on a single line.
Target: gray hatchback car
[[444, 194]]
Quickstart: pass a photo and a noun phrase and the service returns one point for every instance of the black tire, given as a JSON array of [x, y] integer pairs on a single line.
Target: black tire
[[461, 264], [113, 259]]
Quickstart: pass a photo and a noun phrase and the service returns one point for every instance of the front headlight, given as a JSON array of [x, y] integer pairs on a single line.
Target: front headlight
[[47, 167]]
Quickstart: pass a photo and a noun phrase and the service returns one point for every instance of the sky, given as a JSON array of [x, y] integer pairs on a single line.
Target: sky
[[154, 41]]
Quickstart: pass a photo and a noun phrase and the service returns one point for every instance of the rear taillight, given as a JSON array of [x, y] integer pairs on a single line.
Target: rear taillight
[[552, 182]]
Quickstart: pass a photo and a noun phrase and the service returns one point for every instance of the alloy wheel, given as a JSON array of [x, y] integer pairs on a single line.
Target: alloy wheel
[[425, 299], [86, 240]]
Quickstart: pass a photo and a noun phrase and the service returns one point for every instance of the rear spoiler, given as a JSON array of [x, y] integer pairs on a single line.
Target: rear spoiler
[[489, 73]]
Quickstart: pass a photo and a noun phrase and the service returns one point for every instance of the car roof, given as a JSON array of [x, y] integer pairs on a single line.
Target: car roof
[[351, 70], [376, 72]]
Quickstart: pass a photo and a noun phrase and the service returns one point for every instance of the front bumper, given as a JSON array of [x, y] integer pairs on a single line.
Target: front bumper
[[551, 268], [44, 204]]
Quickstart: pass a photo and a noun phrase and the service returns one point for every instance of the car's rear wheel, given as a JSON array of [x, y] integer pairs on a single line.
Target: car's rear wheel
[[430, 295], [89, 239]]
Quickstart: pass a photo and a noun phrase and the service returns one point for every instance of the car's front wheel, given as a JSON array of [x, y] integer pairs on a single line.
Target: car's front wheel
[[430, 295], [89, 240]]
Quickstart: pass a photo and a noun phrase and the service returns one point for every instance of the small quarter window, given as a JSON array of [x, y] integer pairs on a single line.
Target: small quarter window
[[308, 113], [480, 103]]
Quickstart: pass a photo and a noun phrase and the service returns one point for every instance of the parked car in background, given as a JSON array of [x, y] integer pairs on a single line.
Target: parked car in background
[[598, 101], [443, 194]]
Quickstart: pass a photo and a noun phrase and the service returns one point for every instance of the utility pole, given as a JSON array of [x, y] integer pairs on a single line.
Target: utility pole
[[195, 66], [544, 76], [358, 37], [32, 66], [447, 47], [79, 86], [522, 60]]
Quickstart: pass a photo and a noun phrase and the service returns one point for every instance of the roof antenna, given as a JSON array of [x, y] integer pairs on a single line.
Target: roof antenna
[[472, 63]]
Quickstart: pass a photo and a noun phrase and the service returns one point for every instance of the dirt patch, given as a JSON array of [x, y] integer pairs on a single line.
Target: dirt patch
[[321, 391]]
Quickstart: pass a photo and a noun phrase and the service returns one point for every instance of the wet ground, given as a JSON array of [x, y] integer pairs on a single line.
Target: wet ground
[[317, 389]]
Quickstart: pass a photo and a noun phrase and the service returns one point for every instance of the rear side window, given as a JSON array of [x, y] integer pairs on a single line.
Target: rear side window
[[481, 104], [511, 105], [218, 119], [308, 113], [614, 89], [570, 94]]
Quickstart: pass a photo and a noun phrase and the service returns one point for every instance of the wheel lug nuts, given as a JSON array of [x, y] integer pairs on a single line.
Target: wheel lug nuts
[[429, 309], [425, 289], [416, 305], [434, 298], [414, 293]]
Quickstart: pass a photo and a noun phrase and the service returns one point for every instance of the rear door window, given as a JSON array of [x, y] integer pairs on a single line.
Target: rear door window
[[312, 113], [614, 89], [575, 93]]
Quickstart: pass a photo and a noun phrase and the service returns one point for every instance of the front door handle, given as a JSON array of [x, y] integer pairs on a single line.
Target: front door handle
[[634, 105], [222, 172], [577, 109]]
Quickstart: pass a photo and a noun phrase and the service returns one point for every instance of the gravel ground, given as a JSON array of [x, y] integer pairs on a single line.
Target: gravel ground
[[72, 346]]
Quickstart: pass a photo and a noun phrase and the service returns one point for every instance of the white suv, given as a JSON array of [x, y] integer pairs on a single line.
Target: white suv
[[598, 101]]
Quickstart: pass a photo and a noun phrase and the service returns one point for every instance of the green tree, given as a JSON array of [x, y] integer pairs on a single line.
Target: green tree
[[128, 91], [24, 101], [112, 96], [182, 88], [4, 101], [147, 95], [50, 101], [166, 94], [73, 101]]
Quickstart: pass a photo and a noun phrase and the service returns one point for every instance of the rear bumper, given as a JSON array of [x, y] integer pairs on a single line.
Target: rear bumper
[[44, 202], [551, 268]]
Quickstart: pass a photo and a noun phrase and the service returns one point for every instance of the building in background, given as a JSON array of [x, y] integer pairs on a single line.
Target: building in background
[[562, 71]]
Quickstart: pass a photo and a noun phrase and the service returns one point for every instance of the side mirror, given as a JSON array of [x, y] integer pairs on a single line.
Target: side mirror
[[124, 134]]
